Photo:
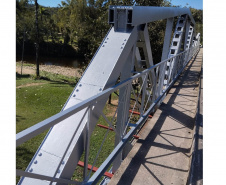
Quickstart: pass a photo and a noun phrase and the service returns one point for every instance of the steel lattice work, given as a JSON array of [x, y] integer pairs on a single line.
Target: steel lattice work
[[116, 67]]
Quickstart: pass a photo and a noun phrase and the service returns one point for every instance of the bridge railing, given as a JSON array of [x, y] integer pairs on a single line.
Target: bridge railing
[[142, 98]]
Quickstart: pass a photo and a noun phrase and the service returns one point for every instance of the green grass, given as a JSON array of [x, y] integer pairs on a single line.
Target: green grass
[[25, 64], [36, 103]]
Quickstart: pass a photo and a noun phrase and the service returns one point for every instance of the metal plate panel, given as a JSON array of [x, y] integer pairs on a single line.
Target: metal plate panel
[[84, 91], [29, 181], [105, 60], [45, 168], [57, 142]]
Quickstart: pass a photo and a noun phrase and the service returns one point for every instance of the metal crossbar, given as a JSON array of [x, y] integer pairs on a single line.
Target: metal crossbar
[[94, 179], [117, 56], [44, 177], [42, 126], [37, 129]]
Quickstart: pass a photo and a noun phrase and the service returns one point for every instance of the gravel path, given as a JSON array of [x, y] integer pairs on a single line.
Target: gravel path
[[66, 71]]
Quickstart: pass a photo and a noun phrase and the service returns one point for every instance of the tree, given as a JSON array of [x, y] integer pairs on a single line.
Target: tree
[[37, 38], [82, 24]]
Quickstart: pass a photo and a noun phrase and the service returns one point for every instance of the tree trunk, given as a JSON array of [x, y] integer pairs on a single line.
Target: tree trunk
[[37, 38], [22, 60]]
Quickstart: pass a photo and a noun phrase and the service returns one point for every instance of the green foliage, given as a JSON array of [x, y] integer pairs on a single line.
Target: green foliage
[[82, 25], [198, 17]]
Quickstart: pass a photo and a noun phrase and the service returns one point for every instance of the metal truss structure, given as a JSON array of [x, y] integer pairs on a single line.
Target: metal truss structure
[[123, 64]]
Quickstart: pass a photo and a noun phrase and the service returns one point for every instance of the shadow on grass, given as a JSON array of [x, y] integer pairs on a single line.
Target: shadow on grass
[[60, 81], [19, 76], [57, 81], [19, 118]]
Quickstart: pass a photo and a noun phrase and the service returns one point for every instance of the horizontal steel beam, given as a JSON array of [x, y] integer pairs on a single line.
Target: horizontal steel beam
[[144, 14], [40, 127], [95, 178], [47, 178]]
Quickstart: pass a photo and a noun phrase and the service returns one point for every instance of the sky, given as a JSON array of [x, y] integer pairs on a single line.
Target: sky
[[51, 3], [198, 4]]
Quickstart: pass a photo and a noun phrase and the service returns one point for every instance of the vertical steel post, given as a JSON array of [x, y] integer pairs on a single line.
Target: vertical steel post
[[165, 52], [187, 38], [175, 47], [123, 106], [87, 144], [144, 86], [149, 60], [145, 44]]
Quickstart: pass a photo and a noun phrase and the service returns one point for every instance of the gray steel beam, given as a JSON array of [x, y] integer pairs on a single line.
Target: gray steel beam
[[95, 178], [187, 39], [142, 14], [64, 144], [144, 43], [102, 73], [33, 131], [106, 93], [167, 38], [149, 59], [175, 47], [165, 53], [123, 107]]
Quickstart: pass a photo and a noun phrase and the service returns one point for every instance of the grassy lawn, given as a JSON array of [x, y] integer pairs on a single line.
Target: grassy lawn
[[38, 99]]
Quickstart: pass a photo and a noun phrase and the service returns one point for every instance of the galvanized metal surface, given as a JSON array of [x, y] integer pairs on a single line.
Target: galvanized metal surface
[[69, 136], [175, 48], [142, 14], [128, 81], [102, 72], [94, 179], [163, 151], [165, 52], [145, 14]]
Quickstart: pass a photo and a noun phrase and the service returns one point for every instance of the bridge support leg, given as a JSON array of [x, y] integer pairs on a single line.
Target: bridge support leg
[[175, 48], [187, 38], [144, 44], [165, 53], [87, 144], [123, 106]]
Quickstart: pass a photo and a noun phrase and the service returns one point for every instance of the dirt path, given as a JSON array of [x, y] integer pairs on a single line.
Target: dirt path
[[66, 71], [31, 84]]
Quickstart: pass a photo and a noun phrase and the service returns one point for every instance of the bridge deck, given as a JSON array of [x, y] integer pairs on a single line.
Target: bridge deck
[[162, 154]]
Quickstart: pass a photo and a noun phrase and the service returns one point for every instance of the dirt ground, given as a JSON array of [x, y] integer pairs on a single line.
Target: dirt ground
[[66, 71]]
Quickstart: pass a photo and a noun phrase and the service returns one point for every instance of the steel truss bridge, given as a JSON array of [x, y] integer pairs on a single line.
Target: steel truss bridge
[[123, 60]]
